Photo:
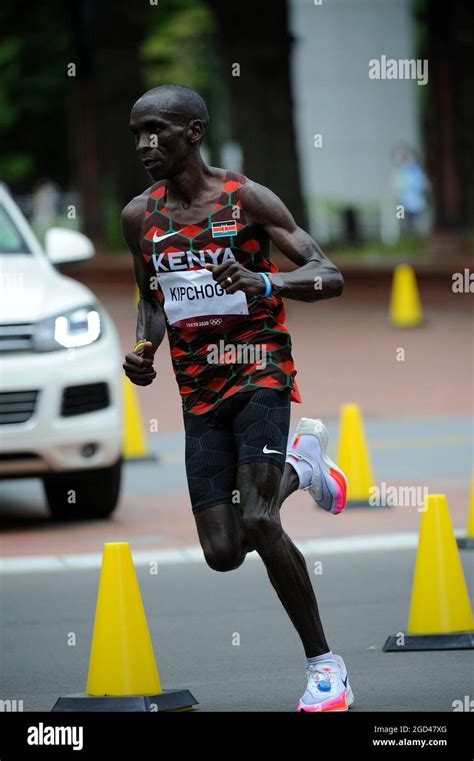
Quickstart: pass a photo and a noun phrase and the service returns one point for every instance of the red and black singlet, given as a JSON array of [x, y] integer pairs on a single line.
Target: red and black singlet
[[248, 336]]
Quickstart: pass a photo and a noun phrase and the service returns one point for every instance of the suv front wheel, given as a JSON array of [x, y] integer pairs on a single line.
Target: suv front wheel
[[83, 494]]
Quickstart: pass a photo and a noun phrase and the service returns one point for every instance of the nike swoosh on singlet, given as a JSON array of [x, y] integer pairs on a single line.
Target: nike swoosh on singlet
[[270, 451], [157, 238]]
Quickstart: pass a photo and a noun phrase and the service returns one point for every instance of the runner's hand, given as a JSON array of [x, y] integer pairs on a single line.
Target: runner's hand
[[242, 279], [138, 365]]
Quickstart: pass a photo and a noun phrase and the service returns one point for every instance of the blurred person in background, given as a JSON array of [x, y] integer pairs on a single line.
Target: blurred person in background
[[410, 188]]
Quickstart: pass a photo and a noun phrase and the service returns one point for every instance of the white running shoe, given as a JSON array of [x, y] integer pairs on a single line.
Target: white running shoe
[[345, 679], [328, 688], [328, 485]]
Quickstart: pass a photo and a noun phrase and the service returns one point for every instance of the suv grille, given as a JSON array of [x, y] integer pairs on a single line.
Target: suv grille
[[17, 406], [16, 337]]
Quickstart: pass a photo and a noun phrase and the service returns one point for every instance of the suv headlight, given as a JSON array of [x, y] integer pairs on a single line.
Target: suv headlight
[[71, 329]]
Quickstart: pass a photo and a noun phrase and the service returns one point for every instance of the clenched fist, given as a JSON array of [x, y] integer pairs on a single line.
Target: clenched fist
[[138, 365]]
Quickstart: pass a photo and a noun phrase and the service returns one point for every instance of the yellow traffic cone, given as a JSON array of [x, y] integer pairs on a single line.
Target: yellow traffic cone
[[467, 542], [134, 445], [405, 305], [122, 660], [353, 457], [440, 615], [122, 670]]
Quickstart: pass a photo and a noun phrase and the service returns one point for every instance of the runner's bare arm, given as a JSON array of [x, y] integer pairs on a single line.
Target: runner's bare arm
[[150, 319], [151, 324], [315, 278]]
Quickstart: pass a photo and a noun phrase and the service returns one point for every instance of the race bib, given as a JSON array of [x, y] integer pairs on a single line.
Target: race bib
[[193, 300]]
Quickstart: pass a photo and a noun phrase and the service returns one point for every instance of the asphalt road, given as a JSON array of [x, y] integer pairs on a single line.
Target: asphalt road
[[194, 614]]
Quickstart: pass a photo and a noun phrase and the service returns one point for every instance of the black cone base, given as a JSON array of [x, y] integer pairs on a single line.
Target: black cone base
[[452, 641], [466, 542], [168, 700]]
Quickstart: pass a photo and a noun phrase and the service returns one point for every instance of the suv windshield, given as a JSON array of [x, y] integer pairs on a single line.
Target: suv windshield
[[11, 242]]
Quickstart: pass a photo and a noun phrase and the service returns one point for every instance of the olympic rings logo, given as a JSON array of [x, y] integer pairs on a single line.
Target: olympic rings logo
[[215, 321]]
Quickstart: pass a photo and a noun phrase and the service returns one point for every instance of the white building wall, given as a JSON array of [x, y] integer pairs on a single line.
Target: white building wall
[[361, 120]]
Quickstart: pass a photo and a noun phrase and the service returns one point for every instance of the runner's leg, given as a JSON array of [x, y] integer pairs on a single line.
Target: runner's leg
[[289, 483], [221, 536], [261, 422], [258, 484], [211, 468]]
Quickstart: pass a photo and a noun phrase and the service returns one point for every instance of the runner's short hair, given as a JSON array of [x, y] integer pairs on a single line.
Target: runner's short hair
[[182, 100]]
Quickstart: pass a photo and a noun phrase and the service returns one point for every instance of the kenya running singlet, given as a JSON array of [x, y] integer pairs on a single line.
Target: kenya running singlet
[[220, 343]]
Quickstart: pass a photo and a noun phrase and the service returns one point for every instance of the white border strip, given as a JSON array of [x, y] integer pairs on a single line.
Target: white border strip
[[193, 554]]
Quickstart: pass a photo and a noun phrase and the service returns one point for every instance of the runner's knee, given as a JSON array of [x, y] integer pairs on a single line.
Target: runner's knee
[[262, 525], [222, 558], [258, 485]]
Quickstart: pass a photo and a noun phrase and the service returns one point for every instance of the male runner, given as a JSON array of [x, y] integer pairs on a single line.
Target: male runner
[[200, 239]]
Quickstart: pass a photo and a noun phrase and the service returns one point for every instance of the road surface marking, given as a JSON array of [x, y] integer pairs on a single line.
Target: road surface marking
[[193, 554]]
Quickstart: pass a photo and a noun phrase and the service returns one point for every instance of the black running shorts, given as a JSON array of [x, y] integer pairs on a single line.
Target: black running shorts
[[250, 426]]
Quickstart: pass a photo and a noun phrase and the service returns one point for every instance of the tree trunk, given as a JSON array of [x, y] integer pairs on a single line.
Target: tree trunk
[[107, 36], [257, 39], [449, 119]]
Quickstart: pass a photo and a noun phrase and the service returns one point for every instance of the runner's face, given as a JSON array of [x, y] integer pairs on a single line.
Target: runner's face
[[162, 140]]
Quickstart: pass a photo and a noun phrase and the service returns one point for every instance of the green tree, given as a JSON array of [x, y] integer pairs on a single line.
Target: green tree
[[34, 94]]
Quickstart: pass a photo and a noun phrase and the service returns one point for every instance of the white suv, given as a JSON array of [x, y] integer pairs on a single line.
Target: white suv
[[60, 372]]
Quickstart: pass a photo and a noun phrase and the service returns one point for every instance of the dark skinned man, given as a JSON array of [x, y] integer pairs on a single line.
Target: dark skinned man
[[200, 238]]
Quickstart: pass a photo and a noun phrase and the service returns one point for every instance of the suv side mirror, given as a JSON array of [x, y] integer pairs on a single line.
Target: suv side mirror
[[63, 245]]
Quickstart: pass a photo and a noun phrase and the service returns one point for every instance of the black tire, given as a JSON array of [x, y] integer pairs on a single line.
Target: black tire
[[85, 494]]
